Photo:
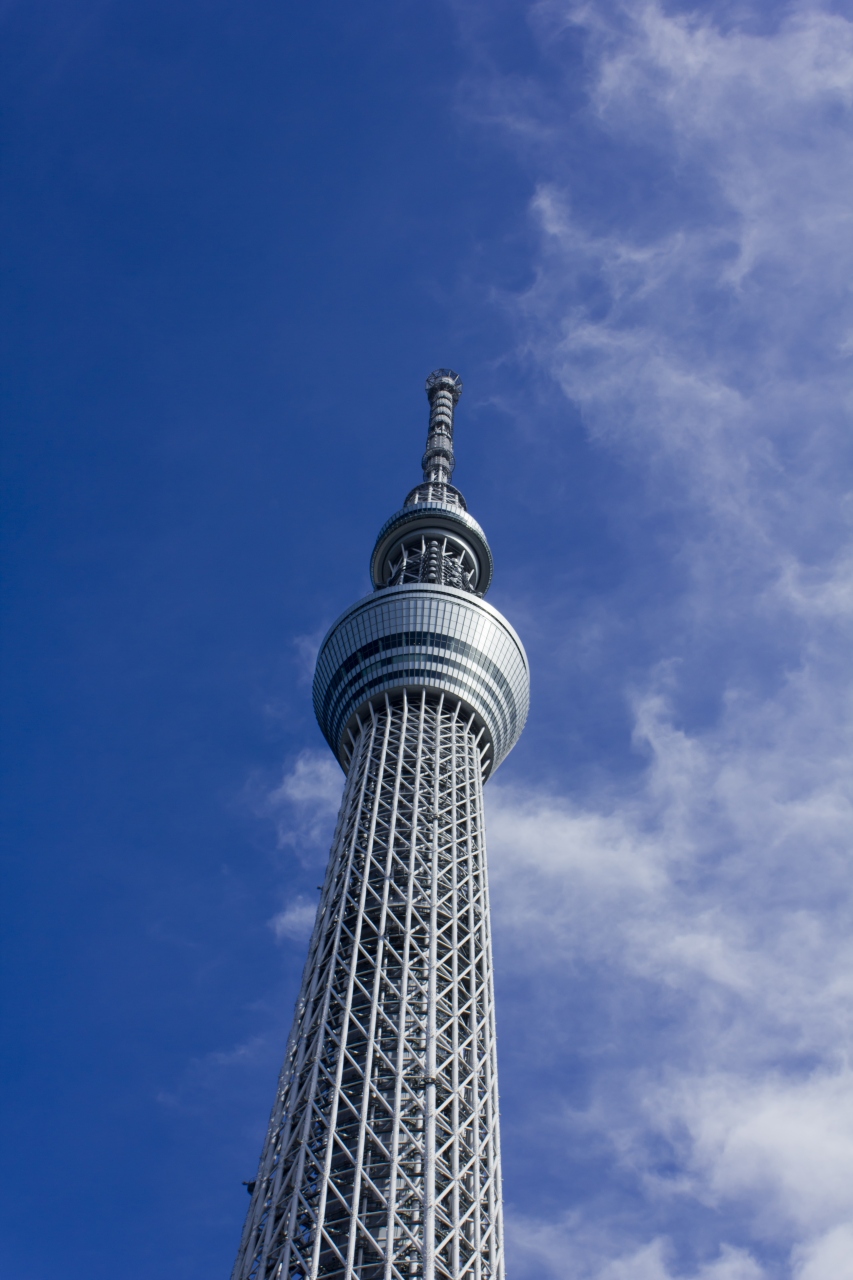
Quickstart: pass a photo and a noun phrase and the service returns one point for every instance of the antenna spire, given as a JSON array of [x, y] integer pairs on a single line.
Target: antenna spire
[[443, 388]]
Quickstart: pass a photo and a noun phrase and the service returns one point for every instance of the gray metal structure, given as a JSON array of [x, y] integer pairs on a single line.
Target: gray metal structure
[[382, 1159]]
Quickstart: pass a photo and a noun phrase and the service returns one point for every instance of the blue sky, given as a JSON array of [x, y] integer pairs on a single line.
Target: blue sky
[[237, 238]]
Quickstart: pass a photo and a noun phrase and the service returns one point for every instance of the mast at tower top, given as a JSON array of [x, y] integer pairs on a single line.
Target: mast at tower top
[[433, 540], [443, 388]]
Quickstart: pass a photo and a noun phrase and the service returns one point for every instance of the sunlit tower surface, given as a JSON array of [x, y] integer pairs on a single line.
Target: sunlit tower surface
[[382, 1159]]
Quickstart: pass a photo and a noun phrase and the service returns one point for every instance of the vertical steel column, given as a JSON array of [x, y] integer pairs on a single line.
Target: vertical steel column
[[380, 1160]]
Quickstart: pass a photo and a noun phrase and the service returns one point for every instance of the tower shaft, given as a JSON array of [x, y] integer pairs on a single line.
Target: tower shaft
[[382, 1157]]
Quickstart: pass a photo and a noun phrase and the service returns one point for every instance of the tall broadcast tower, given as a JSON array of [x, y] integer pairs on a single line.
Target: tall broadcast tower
[[382, 1160]]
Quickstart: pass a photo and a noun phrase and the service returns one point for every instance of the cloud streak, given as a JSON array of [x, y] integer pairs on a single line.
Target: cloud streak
[[304, 805], [701, 910]]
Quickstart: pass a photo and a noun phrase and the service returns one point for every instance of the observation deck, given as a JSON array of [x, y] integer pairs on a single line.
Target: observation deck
[[426, 626], [436, 638]]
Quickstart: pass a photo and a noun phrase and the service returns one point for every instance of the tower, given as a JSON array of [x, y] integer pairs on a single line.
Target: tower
[[382, 1159]]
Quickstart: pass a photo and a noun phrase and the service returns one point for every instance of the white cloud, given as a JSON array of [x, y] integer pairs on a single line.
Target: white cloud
[[720, 889], [709, 354], [569, 1250], [314, 779], [305, 804], [296, 920], [702, 336], [828, 1258], [783, 1145], [307, 647]]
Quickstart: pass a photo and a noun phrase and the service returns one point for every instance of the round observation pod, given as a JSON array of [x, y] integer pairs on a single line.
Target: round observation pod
[[441, 640], [415, 526]]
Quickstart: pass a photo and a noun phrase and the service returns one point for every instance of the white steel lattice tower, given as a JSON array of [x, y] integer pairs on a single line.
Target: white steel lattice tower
[[382, 1160]]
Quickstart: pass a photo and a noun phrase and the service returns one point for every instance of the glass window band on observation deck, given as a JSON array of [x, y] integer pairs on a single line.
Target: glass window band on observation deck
[[426, 640], [420, 636]]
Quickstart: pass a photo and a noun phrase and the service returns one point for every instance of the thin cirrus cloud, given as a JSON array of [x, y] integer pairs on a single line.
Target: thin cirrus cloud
[[295, 921], [674, 950], [304, 803], [711, 355], [302, 807]]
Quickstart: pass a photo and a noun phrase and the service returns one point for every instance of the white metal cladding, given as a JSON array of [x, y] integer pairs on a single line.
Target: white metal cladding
[[382, 1159], [423, 637]]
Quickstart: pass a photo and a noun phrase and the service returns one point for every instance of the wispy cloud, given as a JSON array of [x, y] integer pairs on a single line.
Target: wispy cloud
[[295, 921], [304, 804], [697, 919], [201, 1078], [567, 1248], [715, 901], [306, 648]]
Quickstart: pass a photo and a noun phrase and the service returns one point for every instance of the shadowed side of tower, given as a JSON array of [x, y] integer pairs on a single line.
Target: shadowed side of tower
[[382, 1159]]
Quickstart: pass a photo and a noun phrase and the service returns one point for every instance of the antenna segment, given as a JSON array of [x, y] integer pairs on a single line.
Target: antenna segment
[[443, 388]]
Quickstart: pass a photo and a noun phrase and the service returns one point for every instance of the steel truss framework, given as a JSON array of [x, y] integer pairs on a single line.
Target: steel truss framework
[[443, 561], [382, 1157]]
